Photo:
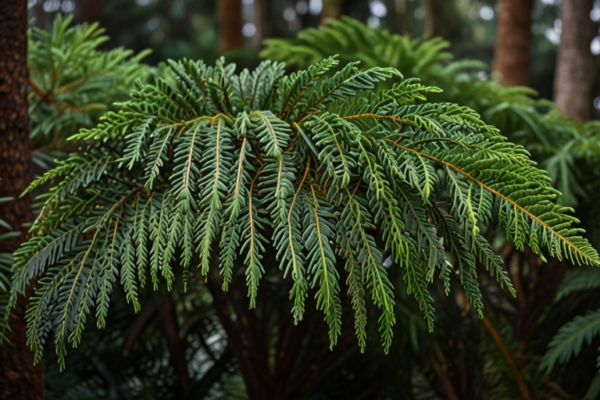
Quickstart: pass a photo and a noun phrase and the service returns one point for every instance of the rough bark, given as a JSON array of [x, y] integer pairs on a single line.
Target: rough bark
[[513, 42], [575, 70], [19, 379], [230, 25]]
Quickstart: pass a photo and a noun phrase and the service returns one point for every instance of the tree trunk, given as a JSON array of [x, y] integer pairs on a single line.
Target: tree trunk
[[19, 379], [402, 13], [262, 21], [331, 9], [276, 358], [513, 42], [90, 10], [177, 347], [230, 25], [432, 14], [575, 71]]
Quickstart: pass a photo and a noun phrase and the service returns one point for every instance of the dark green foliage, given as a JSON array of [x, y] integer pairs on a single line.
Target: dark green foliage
[[566, 149], [560, 145], [578, 279], [571, 338], [130, 358], [72, 82], [578, 332], [321, 171]]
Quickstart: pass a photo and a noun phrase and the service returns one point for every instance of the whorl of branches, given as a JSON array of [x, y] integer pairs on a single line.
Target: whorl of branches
[[218, 168]]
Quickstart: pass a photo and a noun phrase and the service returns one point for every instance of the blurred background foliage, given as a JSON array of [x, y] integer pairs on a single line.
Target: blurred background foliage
[[175, 347], [190, 28]]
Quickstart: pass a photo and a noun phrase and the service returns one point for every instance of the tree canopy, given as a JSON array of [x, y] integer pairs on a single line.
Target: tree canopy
[[326, 171]]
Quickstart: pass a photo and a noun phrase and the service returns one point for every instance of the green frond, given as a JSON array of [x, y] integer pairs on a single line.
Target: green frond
[[75, 171], [286, 211], [594, 389], [584, 278], [272, 132], [329, 136], [212, 187], [319, 223], [344, 84], [526, 212], [560, 144], [294, 87], [205, 166], [356, 290], [254, 243], [237, 202], [128, 271], [570, 339], [72, 83], [464, 259], [357, 220]]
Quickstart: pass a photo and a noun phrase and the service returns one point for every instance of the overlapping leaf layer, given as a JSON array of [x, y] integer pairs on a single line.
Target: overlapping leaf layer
[[213, 169]]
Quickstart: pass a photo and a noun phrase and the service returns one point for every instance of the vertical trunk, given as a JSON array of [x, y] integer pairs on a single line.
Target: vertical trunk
[[277, 358], [177, 346], [402, 10], [441, 19], [331, 9], [432, 11], [513, 42], [262, 20], [19, 379], [230, 25], [575, 71], [90, 10]]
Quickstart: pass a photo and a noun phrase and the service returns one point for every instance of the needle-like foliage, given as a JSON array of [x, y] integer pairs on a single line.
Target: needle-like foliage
[[72, 83], [563, 147], [325, 172], [566, 149]]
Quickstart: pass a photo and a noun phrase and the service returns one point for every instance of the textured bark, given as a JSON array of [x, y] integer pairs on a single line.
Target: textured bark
[[230, 25], [513, 42], [19, 379], [575, 70]]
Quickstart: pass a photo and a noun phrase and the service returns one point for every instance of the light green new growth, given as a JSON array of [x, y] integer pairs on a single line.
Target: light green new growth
[[325, 172]]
